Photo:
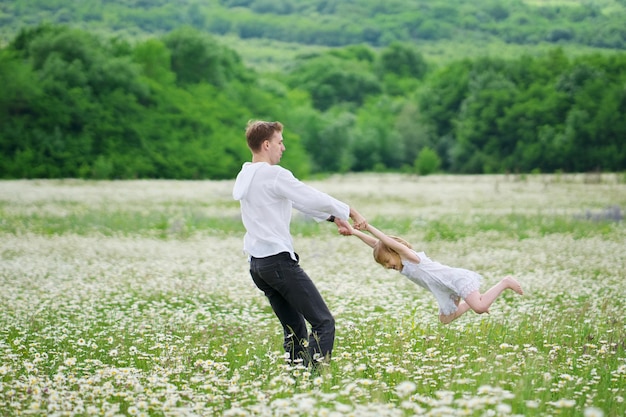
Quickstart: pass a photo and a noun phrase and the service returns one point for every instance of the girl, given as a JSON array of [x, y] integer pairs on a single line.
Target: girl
[[448, 285]]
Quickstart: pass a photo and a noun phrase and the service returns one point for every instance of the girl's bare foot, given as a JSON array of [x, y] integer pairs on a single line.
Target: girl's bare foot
[[512, 284]]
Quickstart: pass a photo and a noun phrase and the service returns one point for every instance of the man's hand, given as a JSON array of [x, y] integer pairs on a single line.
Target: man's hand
[[343, 227]]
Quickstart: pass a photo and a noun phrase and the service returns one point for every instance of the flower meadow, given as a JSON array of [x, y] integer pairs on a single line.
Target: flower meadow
[[133, 298]]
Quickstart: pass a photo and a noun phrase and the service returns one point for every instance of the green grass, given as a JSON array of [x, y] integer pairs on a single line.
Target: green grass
[[517, 226], [182, 222]]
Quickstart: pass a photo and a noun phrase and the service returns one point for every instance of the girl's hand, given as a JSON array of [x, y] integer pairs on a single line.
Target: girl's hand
[[360, 223]]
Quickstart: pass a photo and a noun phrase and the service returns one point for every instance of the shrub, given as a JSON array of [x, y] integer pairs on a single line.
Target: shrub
[[427, 161]]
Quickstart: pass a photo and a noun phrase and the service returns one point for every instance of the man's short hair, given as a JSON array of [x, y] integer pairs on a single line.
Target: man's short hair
[[258, 131]]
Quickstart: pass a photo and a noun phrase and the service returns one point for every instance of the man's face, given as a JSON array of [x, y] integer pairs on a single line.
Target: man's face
[[276, 148]]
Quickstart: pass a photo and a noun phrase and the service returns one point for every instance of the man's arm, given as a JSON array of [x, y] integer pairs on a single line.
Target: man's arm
[[309, 200], [313, 202]]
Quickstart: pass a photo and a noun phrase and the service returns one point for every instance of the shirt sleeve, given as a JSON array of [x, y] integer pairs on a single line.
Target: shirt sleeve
[[309, 200], [318, 216]]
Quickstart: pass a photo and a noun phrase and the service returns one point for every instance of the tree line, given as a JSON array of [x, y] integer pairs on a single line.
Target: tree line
[[77, 104], [341, 23]]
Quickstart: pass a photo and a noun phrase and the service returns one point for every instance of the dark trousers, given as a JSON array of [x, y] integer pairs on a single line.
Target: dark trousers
[[295, 300]]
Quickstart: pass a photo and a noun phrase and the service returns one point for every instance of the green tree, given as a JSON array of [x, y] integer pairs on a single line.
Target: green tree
[[197, 57], [403, 60], [401, 67], [376, 144], [331, 81], [155, 60], [442, 95], [69, 73], [330, 139], [414, 131], [18, 99], [480, 143], [427, 162]]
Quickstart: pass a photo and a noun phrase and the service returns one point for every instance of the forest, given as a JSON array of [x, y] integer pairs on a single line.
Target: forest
[[104, 93], [339, 22]]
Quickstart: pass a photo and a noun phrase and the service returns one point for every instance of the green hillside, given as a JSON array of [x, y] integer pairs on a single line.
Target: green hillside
[[270, 33], [164, 89]]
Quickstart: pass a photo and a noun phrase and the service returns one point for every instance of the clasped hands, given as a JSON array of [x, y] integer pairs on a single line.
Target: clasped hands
[[345, 228]]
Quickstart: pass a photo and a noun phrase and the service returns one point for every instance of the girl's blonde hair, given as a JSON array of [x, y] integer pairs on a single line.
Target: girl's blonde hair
[[383, 253]]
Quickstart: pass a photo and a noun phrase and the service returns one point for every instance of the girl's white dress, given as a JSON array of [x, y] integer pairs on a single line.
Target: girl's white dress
[[447, 284]]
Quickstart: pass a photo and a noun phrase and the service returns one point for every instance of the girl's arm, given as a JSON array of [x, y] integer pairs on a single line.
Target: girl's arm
[[367, 239], [404, 251], [347, 230]]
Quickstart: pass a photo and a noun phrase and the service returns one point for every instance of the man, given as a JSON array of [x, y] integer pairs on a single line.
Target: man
[[267, 193]]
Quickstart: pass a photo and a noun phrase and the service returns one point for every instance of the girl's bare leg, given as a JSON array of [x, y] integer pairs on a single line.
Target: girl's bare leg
[[481, 303], [462, 308]]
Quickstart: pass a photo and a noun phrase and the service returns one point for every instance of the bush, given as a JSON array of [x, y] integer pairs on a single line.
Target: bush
[[427, 161]]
